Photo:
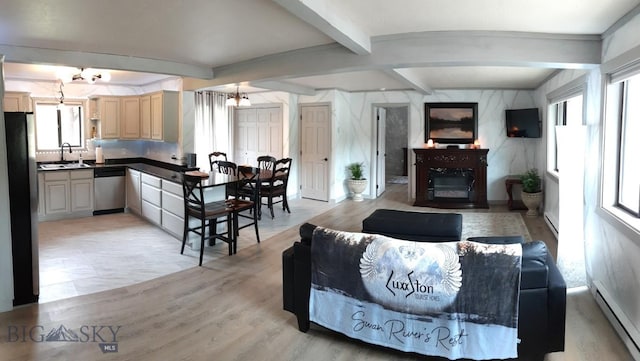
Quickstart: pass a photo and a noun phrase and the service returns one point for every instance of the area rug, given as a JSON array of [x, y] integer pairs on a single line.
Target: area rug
[[398, 179], [494, 224]]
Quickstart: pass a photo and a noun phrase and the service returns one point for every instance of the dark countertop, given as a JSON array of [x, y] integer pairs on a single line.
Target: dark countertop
[[168, 171]]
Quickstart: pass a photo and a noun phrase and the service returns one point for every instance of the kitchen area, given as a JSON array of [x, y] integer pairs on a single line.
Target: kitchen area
[[108, 211]]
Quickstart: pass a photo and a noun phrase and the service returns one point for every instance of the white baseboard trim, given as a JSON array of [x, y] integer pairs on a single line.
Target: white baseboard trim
[[551, 223], [623, 326]]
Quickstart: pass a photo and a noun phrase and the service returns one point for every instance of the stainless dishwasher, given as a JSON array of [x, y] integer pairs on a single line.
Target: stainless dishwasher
[[108, 190]]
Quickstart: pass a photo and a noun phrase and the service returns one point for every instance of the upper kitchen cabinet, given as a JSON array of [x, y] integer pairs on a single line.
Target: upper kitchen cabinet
[[145, 117], [17, 102], [130, 120], [107, 111], [164, 115]]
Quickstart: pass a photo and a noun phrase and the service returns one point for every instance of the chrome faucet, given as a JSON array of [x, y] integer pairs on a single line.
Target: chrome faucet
[[62, 150]]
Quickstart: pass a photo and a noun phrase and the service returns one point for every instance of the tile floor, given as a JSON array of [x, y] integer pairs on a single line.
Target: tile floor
[[93, 254]]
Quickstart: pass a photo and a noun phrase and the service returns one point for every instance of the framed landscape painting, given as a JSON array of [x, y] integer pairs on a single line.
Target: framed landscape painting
[[453, 123]]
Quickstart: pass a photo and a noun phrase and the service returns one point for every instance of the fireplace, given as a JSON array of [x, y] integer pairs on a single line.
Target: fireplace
[[451, 183], [451, 178]]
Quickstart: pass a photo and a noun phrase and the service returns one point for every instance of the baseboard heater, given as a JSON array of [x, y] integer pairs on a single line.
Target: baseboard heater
[[627, 332], [551, 224]]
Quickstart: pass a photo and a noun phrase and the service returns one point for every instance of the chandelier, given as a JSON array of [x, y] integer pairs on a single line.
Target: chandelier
[[67, 75], [235, 100]]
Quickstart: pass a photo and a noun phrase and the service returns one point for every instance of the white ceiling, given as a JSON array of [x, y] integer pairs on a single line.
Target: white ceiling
[[305, 45]]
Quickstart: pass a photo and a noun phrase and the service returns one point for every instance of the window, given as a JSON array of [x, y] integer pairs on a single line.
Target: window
[[563, 112], [57, 124], [628, 187]]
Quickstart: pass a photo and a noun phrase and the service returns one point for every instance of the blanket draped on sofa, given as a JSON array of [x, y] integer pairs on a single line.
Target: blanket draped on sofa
[[450, 299]]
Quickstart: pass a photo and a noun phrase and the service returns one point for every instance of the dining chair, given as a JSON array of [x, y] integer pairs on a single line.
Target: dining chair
[[247, 200], [207, 214], [214, 158], [266, 162], [276, 186], [227, 167]]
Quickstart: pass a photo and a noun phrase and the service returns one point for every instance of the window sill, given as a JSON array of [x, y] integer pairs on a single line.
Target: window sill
[[622, 221]]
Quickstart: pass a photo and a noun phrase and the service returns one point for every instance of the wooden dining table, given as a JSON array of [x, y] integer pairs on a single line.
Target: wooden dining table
[[216, 185]]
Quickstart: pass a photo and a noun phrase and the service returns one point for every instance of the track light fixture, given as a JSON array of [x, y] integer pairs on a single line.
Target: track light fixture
[[87, 74]]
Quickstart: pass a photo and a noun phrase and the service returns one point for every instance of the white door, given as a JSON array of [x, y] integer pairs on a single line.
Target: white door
[[258, 131], [269, 123], [381, 150], [315, 149], [246, 142]]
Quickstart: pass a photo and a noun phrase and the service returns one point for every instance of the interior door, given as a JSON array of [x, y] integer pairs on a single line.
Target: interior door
[[381, 150], [315, 149], [246, 137], [258, 131]]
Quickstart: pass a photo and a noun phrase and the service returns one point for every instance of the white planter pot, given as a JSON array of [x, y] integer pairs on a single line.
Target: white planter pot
[[532, 201], [356, 187]]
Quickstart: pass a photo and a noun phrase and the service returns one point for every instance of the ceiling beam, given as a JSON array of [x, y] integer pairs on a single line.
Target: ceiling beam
[[20, 54], [457, 48], [283, 86], [318, 14], [409, 77]]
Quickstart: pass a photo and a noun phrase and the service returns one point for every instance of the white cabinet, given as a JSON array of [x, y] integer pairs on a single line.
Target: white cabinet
[[172, 208], [133, 191], [130, 119], [65, 194], [151, 198], [16, 102], [164, 116], [145, 117], [107, 111], [81, 190], [56, 191], [150, 116]]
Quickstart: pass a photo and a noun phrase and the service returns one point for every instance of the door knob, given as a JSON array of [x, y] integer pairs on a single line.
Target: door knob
[[326, 159]]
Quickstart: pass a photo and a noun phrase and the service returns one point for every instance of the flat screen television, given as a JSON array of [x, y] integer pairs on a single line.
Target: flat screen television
[[523, 123]]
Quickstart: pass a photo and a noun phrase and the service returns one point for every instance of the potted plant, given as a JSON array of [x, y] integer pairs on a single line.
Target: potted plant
[[531, 191], [356, 182]]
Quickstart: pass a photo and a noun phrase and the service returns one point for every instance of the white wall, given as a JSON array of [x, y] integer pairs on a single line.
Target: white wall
[[611, 253], [551, 185], [6, 263], [506, 155]]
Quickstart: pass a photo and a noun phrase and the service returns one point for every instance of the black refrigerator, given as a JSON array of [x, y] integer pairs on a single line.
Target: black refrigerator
[[23, 199]]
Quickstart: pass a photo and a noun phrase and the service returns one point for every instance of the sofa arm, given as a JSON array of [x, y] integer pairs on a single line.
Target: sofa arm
[[287, 280], [302, 284], [557, 305]]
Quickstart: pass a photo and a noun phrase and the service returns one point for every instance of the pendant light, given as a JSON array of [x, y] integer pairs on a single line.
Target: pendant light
[[235, 100]]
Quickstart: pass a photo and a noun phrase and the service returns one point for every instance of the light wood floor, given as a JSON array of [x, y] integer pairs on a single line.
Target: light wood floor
[[231, 309]]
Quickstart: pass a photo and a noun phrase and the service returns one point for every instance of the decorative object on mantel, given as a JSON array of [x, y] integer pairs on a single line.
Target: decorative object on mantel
[[67, 75], [356, 182], [430, 143], [531, 191], [235, 100]]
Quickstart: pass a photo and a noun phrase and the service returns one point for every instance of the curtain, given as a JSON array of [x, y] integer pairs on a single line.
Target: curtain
[[212, 127]]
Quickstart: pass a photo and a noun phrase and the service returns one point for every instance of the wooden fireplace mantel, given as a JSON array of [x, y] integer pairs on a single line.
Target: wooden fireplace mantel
[[472, 161]]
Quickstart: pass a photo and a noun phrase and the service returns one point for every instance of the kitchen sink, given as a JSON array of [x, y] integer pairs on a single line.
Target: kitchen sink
[[64, 165], [76, 165]]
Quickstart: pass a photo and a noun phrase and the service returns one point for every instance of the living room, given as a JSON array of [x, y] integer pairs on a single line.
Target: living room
[[611, 238]]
